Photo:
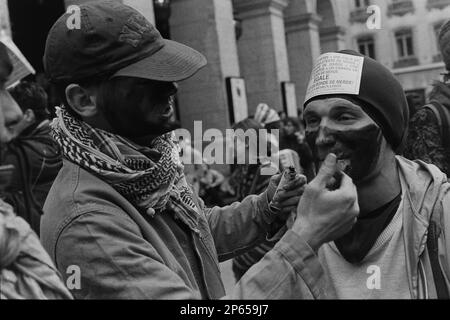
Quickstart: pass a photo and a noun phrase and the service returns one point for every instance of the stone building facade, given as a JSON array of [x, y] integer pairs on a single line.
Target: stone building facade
[[269, 42]]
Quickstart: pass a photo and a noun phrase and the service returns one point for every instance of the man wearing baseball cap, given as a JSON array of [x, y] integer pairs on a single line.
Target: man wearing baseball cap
[[120, 209], [399, 248]]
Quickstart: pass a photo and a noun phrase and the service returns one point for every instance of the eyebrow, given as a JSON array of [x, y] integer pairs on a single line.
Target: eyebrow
[[345, 107], [308, 112]]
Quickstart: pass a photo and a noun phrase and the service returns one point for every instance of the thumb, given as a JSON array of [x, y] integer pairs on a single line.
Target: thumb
[[327, 170]]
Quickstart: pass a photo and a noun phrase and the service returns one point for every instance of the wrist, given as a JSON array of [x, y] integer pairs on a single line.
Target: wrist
[[309, 236]]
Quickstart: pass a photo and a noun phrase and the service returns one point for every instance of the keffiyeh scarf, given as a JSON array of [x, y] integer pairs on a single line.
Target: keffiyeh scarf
[[151, 178]]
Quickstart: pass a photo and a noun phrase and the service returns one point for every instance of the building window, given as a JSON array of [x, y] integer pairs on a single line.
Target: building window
[[362, 4], [437, 28], [366, 46], [405, 47], [359, 13], [400, 7], [437, 4]]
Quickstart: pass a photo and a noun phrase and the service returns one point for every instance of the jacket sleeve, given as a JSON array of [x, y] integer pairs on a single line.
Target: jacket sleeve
[[444, 238], [114, 261], [240, 226], [291, 270]]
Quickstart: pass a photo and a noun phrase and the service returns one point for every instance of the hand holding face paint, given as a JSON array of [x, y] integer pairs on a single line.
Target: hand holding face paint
[[324, 215], [284, 192]]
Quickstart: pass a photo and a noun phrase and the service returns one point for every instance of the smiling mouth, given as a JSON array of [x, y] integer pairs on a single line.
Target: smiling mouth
[[343, 161]]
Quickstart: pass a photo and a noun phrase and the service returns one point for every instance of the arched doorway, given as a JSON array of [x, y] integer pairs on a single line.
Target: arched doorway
[[331, 34]]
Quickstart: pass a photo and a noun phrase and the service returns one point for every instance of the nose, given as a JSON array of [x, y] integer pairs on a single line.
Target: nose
[[324, 138]]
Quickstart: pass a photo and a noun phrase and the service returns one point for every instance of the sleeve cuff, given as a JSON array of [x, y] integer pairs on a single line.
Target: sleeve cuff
[[264, 210], [304, 261]]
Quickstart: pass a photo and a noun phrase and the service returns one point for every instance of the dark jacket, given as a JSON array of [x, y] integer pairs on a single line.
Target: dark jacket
[[424, 137], [37, 161]]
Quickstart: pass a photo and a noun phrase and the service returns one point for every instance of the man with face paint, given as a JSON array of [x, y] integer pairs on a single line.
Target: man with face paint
[[120, 208], [356, 109]]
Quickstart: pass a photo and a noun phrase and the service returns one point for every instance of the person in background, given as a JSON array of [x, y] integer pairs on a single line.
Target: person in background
[[293, 137], [26, 270], [429, 129], [246, 179], [34, 154], [204, 181]]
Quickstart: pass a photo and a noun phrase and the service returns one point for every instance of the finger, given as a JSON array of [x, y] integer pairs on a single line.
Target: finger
[[283, 196], [326, 171], [298, 182], [293, 201], [288, 210]]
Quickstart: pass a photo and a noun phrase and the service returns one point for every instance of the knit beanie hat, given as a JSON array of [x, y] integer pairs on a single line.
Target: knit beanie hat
[[360, 78]]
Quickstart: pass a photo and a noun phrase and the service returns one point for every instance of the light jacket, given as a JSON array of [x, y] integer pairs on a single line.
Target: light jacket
[[26, 270], [425, 192], [124, 254]]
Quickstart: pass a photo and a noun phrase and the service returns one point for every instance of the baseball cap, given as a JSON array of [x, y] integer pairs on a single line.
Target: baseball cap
[[115, 39]]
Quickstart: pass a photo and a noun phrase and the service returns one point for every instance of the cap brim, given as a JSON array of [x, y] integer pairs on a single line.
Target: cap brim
[[173, 62]]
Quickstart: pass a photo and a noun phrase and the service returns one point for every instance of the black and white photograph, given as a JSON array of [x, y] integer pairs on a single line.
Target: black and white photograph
[[226, 155]]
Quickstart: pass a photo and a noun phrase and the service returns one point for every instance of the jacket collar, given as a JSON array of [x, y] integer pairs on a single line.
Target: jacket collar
[[421, 185]]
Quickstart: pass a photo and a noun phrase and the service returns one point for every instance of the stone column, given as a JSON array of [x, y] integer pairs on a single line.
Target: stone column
[[303, 44], [207, 26], [332, 39], [262, 50]]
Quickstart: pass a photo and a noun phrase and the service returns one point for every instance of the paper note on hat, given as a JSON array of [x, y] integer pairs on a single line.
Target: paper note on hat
[[335, 73], [21, 66]]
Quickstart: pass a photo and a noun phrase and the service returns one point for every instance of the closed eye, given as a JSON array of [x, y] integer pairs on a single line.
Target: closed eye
[[312, 121], [346, 117]]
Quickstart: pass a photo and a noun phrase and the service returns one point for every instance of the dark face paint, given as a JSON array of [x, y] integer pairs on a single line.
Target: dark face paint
[[362, 147], [137, 108]]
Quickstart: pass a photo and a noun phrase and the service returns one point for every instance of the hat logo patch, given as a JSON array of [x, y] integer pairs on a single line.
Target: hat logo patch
[[134, 30]]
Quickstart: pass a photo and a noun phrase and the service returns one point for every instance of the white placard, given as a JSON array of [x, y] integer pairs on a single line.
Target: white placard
[[21, 66], [239, 99], [335, 73], [290, 99]]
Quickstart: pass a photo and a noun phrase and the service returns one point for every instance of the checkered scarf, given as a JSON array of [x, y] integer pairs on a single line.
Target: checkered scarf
[[150, 178]]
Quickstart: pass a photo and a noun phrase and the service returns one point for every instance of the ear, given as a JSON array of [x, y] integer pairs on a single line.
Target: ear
[[81, 100], [29, 116]]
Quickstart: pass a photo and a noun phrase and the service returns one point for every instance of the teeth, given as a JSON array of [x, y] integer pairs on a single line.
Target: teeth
[[343, 164]]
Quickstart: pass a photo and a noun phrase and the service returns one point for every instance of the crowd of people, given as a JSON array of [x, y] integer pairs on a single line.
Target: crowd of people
[[98, 182]]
